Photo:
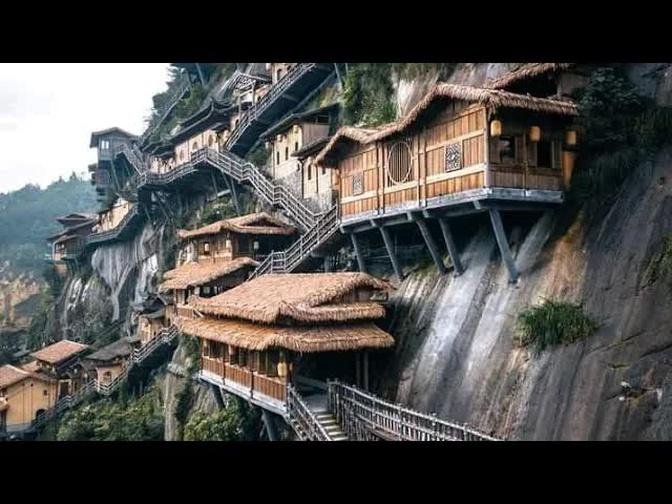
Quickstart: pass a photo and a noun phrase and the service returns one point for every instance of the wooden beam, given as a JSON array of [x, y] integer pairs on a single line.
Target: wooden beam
[[431, 244], [452, 249], [269, 423], [503, 244], [365, 371], [358, 252], [231, 185], [390, 251]]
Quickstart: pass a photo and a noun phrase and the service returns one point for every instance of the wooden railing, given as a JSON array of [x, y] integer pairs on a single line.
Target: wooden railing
[[238, 374], [64, 403], [302, 419], [276, 91], [214, 366], [363, 416], [270, 387], [113, 234]]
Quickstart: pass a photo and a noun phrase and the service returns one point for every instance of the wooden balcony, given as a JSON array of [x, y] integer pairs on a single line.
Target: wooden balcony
[[264, 391]]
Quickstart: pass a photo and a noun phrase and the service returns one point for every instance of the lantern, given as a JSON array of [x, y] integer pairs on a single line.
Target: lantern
[[255, 245], [227, 244], [570, 137], [535, 133], [495, 128], [267, 145], [282, 369]]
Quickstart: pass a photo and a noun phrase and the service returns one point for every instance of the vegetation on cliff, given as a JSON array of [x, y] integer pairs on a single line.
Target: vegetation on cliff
[[553, 323], [138, 419], [237, 421]]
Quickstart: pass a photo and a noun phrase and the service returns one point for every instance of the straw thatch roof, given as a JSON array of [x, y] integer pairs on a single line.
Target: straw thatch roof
[[489, 97], [316, 338], [303, 297], [260, 223], [194, 274], [525, 71], [59, 351]]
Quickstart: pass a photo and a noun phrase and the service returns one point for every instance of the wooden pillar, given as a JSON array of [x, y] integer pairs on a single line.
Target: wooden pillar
[[358, 252], [358, 373], [269, 422], [431, 244], [365, 371], [234, 194], [390, 251], [327, 264], [503, 244], [450, 245], [216, 391]]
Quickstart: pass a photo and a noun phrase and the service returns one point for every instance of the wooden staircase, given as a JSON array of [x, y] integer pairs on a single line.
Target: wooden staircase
[[328, 422]]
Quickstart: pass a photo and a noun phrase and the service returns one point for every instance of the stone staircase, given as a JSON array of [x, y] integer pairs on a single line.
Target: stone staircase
[[328, 422]]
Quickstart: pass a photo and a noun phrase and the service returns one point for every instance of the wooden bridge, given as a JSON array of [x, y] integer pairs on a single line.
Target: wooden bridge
[[286, 94]]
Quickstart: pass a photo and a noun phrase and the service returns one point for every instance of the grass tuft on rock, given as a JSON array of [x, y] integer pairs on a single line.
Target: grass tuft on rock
[[553, 323]]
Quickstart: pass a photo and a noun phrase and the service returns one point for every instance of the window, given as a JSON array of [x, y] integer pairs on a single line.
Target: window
[[310, 171], [357, 184], [296, 146], [206, 289], [206, 248], [104, 144], [277, 158], [453, 156], [194, 146], [45, 392], [286, 153], [211, 140], [399, 163], [507, 150]]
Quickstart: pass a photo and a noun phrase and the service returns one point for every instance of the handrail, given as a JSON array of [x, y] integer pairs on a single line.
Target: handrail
[[169, 104], [358, 411], [113, 233], [302, 418]]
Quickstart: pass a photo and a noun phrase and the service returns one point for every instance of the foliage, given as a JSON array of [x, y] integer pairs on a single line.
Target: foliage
[[660, 265], [216, 211], [621, 131], [553, 323], [27, 219], [238, 421], [367, 94], [184, 400], [137, 420], [259, 156]]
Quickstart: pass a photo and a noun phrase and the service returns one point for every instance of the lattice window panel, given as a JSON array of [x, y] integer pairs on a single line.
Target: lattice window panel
[[399, 163], [357, 184], [453, 156]]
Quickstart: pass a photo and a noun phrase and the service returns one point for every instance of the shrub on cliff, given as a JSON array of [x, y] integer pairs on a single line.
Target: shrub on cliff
[[553, 323], [236, 422]]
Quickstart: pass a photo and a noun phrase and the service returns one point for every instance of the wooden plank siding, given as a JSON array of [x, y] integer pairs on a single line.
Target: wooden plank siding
[[365, 184]]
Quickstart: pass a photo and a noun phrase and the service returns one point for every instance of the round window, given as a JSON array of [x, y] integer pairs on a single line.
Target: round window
[[399, 161]]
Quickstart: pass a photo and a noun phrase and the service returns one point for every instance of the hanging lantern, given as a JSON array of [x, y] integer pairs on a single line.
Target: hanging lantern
[[495, 128], [227, 244], [255, 245], [535, 133], [570, 137], [282, 369], [267, 145]]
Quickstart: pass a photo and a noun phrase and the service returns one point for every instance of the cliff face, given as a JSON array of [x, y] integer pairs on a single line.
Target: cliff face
[[455, 354]]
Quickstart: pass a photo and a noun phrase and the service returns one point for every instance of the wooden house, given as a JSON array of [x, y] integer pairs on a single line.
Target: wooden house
[[220, 255], [292, 328], [279, 70], [68, 244], [461, 149], [105, 175], [61, 362], [111, 217], [291, 139], [111, 360], [151, 320], [24, 396]]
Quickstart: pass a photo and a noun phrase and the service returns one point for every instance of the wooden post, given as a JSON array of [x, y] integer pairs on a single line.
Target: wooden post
[[358, 252], [269, 423], [390, 251], [503, 244], [450, 245], [366, 370], [429, 241], [230, 185], [358, 374]]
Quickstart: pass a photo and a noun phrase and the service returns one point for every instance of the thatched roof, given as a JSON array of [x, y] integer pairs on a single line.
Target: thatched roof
[[525, 71], [303, 297], [316, 338], [260, 223], [59, 351], [488, 97], [193, 274]]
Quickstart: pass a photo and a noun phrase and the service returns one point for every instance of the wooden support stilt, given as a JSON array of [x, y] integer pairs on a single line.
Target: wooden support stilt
[[234, 195], [452, 249], [358, 252], [327, 264], [390, 251], [358, 371], [503, 244], [365, 371], [431, 244], [216, 391], [269, 422]]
